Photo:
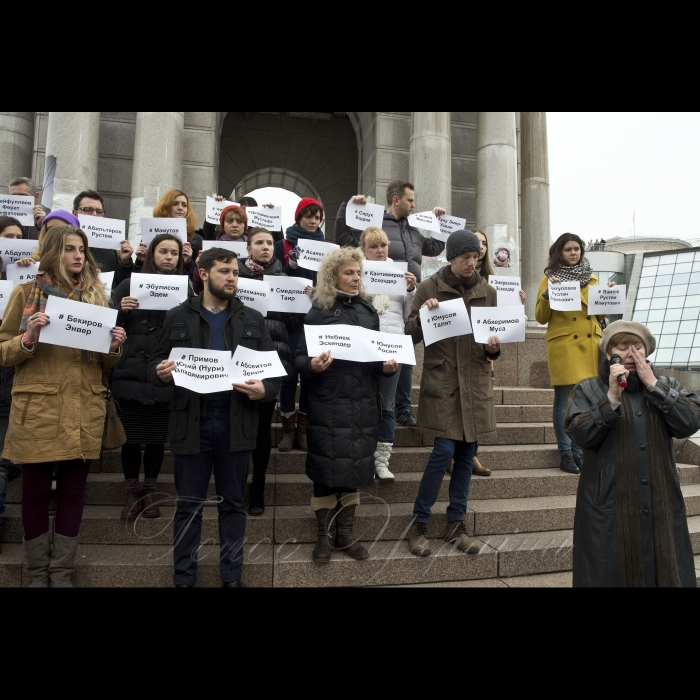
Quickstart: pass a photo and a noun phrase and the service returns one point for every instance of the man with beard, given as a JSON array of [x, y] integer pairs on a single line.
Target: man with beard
[[630, 528], [217, 429]]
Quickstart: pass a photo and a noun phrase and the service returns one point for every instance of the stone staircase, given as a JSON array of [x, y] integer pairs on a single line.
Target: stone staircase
[[523, 515]]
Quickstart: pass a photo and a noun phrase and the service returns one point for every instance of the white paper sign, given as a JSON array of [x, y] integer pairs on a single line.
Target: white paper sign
[[14, 249], [107, 278], [158, 292], [201, 371], [313, 252], [271, 219], [49, 182], [252, 364], [362, 216], [214, 209], [240, 248], [426, 220], [103, 233], [507, 322], [150, 228], [74, 324], [382, 347], [344, 342], [564, 296], [287, 294], [5, 291], [508, 289], [607, 300], [19, 206], [254, 293], [19, 274], [450, 319], [448, 225], [384, 277]]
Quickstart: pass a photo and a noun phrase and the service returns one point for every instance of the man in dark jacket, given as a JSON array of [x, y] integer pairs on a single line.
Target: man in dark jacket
[[27, 187], [218, 429], [406, 243]]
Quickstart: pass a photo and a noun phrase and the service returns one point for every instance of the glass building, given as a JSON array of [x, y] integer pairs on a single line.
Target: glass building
[[668, 303]]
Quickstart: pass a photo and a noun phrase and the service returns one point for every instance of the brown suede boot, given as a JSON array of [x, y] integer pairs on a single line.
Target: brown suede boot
[[133, 505], [456, 535], [325, 528], [479, 469], [289, 432], [345, 538], [301, 431], [149, 507]]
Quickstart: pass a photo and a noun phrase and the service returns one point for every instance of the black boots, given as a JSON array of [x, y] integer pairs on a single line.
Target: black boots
[[335, 519], [325, 527], [345, 539]]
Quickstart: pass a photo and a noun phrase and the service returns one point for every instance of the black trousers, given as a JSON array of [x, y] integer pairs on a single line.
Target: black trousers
[[263, 447]]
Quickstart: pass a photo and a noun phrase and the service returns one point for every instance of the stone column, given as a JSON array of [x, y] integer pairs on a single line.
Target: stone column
[[535, 203], [16, 147], [497, 185], [74, 138], [157, 163], [430, 165]]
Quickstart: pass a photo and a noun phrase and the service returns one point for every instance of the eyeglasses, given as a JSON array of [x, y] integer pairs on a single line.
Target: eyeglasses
[[91, 210]]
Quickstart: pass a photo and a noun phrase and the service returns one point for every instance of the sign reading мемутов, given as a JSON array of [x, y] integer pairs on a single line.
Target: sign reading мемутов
[[150, 228], [77, 325]]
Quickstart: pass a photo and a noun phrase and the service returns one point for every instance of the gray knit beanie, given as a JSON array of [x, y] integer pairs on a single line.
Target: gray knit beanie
[[462, 242], [631, 327]]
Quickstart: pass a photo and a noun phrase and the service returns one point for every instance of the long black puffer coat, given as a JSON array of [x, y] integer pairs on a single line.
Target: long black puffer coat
[[276, 322], [130, 377], [344, 404]]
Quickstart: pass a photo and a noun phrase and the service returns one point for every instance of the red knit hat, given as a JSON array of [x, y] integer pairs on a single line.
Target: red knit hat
[[307, 202], [231, 208]]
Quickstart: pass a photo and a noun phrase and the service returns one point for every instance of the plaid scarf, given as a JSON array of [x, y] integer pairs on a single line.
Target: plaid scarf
[[258, 268], [580, 273], [41, 289]]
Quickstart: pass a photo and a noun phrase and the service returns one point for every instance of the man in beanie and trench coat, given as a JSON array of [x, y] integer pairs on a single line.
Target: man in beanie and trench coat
[[456, 397], [630, 528]]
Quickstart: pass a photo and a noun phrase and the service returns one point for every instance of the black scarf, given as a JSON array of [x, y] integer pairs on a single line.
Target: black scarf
[[294, 233]]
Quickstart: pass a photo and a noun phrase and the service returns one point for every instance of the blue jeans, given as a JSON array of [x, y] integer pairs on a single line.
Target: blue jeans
[[192, 474], [288, 392], [443, 451], [404, 389], [387, 389], [561, 400]]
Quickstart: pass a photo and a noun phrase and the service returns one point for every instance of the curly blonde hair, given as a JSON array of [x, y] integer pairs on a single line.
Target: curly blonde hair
[[325, 291]]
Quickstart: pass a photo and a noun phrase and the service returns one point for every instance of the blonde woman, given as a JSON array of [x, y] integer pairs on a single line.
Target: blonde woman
[[344, 409], [58, 406]]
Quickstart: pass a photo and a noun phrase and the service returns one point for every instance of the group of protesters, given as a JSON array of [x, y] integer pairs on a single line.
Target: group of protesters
[[53, 405]]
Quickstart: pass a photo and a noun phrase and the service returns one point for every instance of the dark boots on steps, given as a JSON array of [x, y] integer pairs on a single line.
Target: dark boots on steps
[[293, 433], [336, 525]]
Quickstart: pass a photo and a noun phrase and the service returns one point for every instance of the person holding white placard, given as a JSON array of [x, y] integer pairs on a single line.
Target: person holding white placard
[[58, 408], [27, 187], [572, 337], [456, 395], [9, 228], [260, 262], [344, 408], [144, 407], [393, 314]]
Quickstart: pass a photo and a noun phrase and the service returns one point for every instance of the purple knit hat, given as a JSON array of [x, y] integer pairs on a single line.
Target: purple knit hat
[[63, 215]]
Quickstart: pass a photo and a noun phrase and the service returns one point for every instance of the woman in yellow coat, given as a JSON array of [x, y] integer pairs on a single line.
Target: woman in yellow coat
[[58, 405], [572, 337]]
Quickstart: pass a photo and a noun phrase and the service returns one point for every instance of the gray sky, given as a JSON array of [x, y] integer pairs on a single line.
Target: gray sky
[[605, 165]]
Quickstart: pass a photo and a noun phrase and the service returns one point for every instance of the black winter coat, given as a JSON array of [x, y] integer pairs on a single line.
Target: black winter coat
[[110, 261], [344, 404], [130, 376], [186, 327]]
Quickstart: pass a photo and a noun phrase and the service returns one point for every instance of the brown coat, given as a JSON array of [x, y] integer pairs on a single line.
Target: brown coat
[[456, 392], [58, 405]]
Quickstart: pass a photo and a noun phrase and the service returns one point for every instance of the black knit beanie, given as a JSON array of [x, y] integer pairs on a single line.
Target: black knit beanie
[[462, 242]]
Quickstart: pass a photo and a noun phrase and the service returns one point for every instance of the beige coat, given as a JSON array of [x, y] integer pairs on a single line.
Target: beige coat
[[456, 391], [58, 404]]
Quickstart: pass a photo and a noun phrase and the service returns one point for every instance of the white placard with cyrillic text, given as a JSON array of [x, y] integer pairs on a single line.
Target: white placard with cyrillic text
[[604, 300], [5, 291], [150, 228], [103, 233], [382, 347], [254, 364], [343, 341], [288, 294], [448, 225], [564, 296], [158, 292], [264, 217], [240, 248], [425, 220], [201, 371], [450, 319], [18, 206], [14, 249], [214, 209], [19, 274], [73, 324], [362, 216], [385, 277], [507, 322], [508, 290], [312, 253], [255, 294]]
